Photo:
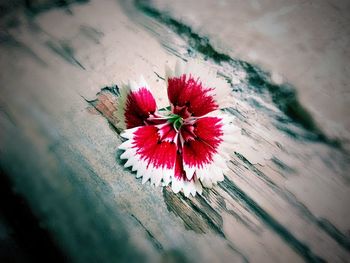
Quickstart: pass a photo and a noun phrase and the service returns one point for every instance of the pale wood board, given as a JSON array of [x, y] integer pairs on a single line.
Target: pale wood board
[[285, 198]]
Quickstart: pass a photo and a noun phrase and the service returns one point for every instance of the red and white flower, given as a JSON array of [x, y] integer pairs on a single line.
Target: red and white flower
[[185, 144]]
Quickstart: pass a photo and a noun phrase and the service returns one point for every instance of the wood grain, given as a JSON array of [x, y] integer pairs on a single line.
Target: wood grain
[[284, 199]]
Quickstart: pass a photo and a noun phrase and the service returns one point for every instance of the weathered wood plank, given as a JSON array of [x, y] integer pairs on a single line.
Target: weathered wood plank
[[286, 194]]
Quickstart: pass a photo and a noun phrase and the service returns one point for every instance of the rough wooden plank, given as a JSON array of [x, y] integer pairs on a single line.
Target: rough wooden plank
[[285, 196]]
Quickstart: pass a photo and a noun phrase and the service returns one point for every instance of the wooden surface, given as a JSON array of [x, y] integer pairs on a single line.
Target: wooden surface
[[285, 198]]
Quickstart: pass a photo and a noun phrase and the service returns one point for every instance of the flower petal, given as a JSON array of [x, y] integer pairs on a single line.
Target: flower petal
[[188, 187], [157, 160], [135, 104], [189, 97], [196, 90], [199, 151], [204, 157], [151, 157]]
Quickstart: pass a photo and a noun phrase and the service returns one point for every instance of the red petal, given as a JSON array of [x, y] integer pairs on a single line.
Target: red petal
[[199, 151], [161, 154], [189, 97], [180, 173], [139, 105], [167, 132], [179, 169]]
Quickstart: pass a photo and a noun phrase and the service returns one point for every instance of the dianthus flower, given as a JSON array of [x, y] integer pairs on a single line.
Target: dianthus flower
[[186, 144]]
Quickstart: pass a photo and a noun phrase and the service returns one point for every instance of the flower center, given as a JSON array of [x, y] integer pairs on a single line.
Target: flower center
[[176, 120]]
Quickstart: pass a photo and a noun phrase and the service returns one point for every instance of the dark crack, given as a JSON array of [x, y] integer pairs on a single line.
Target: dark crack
[[65, 51], [323, 224], [196, 214], [240, 196], [36, 7], [157, 245]]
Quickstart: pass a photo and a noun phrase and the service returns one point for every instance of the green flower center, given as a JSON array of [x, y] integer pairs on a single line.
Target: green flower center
[[176, 120]]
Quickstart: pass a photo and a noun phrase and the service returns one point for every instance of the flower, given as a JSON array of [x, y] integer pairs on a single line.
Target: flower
[[185, 144]]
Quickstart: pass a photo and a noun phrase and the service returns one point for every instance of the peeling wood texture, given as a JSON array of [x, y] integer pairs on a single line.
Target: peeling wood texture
[[285, 198]]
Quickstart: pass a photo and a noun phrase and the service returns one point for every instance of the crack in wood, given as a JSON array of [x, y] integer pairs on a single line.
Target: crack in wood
[[157, 245], [65, 51], [302, 249], [199, 218], [325, 225]]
